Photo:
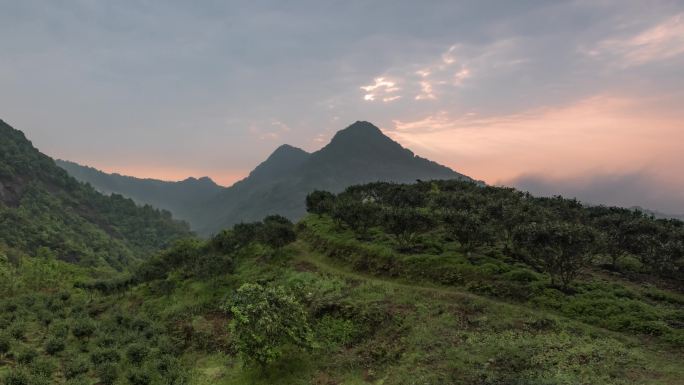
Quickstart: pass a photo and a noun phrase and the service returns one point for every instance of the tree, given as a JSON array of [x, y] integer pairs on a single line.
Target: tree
[[557, 248], [277, 231], [468, 228], [405, 224], [320, 202], [266, 320], [359, 216]]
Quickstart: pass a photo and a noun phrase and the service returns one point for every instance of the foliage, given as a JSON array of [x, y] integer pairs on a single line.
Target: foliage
[[265, 320], [560, 249], [45, 212]]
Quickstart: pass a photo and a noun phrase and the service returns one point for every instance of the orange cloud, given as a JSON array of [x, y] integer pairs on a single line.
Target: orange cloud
[[599, 134]]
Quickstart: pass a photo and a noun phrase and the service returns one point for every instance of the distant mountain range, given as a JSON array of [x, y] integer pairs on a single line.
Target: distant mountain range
[[45, 211], [360, 153]]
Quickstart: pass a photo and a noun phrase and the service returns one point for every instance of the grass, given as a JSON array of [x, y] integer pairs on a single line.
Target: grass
[[436, 334], [373, 328]]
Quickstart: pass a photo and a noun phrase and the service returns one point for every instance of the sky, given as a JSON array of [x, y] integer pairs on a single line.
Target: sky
[[583, 97]]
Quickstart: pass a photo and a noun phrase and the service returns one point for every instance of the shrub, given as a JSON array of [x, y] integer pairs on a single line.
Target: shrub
[[18, 376], [138, 377], [54, 345], [136, 353], [264, 320], [83, 328], [108, 374], [26, 355], [80, 380], [102, 356], [43, 367], [522, 275], [5, 344], [18, 330], [75, 367]]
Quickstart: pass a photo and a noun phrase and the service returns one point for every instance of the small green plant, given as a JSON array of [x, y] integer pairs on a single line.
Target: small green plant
[[26, 355], [54, 345], [83, 328], [5, 344], [75, 367], [107, 373], [136, 353]]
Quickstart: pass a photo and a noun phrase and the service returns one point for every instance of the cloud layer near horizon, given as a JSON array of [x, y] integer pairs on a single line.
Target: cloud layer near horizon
[[495, 89]]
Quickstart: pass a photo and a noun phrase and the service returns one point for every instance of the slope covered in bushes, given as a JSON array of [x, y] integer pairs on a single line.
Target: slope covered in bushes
[[45, 211]]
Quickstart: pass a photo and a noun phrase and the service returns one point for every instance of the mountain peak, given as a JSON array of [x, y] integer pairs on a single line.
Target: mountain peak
[[366, 140], [287, 150], [360, 130]]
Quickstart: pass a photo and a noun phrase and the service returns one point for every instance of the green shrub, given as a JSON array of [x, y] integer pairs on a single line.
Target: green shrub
[[265, 319], [80, 380], [26, 355], [102, 356], [522, 275], [5, 344], [138, 377], [75, 367], [59, 329], [54, 345], [18, 331], [107, 373], [83, 328], [43, 367], [18, 376], [136, 353]]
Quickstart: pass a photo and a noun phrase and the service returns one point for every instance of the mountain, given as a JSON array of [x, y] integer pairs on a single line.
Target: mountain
[[45, 211], [179, 198], [360, 153]]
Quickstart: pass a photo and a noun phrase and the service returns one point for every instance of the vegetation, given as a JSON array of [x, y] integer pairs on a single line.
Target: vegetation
[[442, 282], [45, 212]]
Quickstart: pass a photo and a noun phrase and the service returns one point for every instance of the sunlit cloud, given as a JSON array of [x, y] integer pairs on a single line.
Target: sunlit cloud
[[461, 76], [661, 42], [426, 91], [381, 89]]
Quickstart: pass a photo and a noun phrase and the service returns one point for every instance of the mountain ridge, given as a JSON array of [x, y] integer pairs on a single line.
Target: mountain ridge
[[359, 153]]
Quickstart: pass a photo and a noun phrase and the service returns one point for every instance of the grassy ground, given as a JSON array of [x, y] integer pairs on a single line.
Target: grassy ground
[[432, 334], [369, 329]]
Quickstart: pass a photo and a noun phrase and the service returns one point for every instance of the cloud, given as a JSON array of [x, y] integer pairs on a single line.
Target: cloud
[[272, 130], [626, 190], [381, 89], [661, 42], [439, 75]]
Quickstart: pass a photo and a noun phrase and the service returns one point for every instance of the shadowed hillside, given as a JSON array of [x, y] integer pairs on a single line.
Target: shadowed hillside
[[45, 211]]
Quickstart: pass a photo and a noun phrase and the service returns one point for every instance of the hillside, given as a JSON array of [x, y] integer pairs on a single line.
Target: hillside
[[179, 198], [360, 153], [44, 211], [343, 298]]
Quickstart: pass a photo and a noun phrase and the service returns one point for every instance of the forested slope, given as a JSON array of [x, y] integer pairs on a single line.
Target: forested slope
[[45, 211]]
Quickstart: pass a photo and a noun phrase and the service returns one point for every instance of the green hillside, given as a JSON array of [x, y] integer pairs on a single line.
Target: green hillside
[[179, 198], [44, 211], [357, 294]]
